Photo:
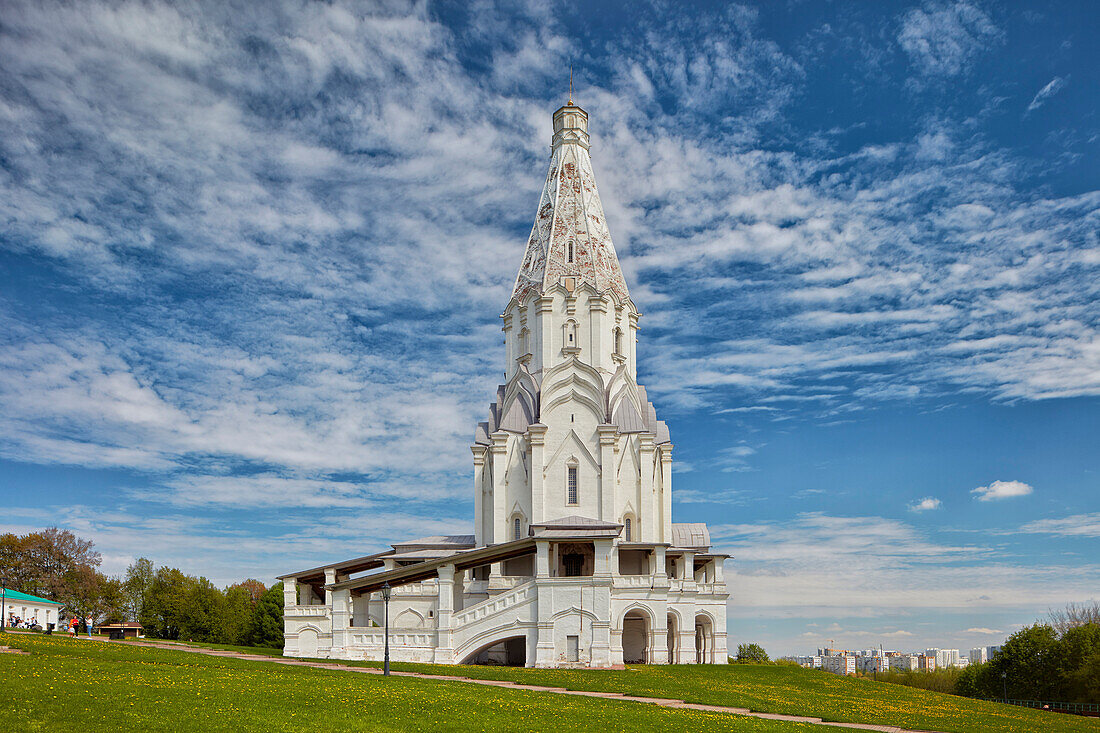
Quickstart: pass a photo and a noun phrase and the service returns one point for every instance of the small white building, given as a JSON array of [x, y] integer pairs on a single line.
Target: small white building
[[574, 558], [28, 610]]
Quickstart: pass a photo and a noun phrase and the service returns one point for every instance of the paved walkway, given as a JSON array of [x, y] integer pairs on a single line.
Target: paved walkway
[[679, 704]]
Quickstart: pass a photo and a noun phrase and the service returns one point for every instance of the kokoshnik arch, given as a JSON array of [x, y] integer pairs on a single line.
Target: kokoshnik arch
[[574, 559]]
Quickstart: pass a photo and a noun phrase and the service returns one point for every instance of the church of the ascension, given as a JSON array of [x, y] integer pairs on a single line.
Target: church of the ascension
[[574, 559]]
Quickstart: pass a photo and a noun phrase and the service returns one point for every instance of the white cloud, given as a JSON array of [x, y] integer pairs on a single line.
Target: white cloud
[[1002, 490], [941, 38], [928, 503], [983, 630], [818, 566], [1078, 525], [1052, 87]]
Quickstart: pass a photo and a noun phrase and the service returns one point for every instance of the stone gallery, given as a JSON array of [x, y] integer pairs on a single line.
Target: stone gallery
[[574, 559]]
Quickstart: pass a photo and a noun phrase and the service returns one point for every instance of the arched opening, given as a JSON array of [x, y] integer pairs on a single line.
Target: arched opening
[[673, 640], [517, 528], [635, 638], [704, 640], [569, 337], [569, 251], [619, 341], [510, 652], [307, 643], [627, 530]]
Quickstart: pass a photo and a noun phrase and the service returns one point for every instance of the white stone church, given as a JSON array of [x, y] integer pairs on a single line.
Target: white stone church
[[574, 559]]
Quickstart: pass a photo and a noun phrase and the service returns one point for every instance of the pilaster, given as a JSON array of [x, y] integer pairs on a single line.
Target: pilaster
[[608, 436], [341, 619], [649, 530], [480, 530], [665, 499], [499, 520], [536, 439], [444, 649], [330, 578], [544, 308]]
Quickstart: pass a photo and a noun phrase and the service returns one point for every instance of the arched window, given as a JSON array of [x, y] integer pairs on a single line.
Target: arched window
[[626, 529], [571, 485], [516, 526], [569, 334], [524, 347], [569, 257], [618, 341]]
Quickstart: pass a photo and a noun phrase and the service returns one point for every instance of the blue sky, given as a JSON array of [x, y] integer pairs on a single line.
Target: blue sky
[[252, 259]]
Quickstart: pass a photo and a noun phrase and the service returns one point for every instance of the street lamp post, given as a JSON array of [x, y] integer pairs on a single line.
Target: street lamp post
[[386, 590], [1004, 683]]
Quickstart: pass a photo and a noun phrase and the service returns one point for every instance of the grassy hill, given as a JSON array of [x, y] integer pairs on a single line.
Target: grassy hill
[[80, 685], [792, 690], [65, 684]]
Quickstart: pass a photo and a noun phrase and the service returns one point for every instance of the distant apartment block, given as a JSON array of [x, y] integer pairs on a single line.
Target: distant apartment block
[[839, 664], [904, 662], [979, 655]]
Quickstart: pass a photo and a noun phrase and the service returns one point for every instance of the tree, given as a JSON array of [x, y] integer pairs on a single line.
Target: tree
[[267, 619], [751, 653], [1027, 666], [237, 612], [38, 562], [136, 585], [89, 595], [162, 614], [1074, 615]]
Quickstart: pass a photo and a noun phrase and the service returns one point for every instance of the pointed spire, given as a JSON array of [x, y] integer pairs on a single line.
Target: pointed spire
[[570, 237], [570, 85]]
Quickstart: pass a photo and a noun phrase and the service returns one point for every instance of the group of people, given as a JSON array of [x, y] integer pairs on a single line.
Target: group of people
[[15, 622], [74, 626]]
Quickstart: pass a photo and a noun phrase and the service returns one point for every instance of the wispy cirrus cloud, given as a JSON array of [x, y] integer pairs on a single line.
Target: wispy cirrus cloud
[[942, 37], [1077, 525], [1049, 90]]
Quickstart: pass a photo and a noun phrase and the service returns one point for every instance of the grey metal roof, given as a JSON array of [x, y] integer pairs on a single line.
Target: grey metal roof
[[576, 522], [345, 567], [518, 417], [439, 540], [424, 554], [551, 534], [627, 418], [690, 534], [481, 434]]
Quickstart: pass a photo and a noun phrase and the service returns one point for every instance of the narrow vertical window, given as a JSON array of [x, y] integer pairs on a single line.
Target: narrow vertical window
[[618, 341], [515, 529], [626, 528], [570, 251], [572, 484]]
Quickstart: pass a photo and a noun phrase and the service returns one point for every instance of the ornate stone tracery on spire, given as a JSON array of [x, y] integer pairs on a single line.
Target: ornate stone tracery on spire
[[570, 237]]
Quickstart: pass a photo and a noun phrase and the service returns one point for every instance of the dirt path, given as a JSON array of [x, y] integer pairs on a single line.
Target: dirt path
[[290, 661]]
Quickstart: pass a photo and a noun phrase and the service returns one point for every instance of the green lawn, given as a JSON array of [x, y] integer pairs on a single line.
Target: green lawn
[[793, 691], [71, 685]]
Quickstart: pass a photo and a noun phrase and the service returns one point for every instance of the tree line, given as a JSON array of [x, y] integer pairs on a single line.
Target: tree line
[[58, 565], [1053, 660], [1056, 660]]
